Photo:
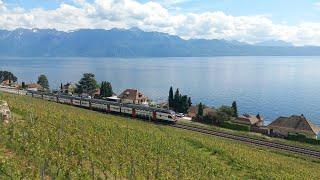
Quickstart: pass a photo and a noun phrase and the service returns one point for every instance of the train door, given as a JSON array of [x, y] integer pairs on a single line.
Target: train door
[[154, 115]]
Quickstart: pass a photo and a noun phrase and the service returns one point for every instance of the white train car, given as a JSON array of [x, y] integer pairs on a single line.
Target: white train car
[[127, 110], [85, 103], [53, 98], [99, 106], [29, 93], [144, 113], [115, 108], [37, 95], [76, 102], [46, 97], [165, 115], [64, 100]]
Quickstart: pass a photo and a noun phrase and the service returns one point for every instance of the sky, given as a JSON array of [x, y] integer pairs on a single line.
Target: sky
[[251, 21]]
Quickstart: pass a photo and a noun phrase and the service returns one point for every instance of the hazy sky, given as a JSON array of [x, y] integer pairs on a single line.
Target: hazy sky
[[295, 21]]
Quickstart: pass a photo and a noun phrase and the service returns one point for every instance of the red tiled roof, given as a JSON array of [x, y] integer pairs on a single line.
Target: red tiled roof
[[131, 94]]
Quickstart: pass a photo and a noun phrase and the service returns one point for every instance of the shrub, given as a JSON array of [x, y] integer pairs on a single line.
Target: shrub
[[235, 126], [302, 138]]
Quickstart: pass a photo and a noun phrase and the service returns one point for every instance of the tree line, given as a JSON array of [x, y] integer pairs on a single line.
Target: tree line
[[178, 102], [222, 114]]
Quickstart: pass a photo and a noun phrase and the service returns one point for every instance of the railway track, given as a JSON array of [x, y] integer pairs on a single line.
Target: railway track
[[248, 140]]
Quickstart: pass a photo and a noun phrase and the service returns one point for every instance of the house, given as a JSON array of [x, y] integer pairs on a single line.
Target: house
[[68, 88], [133, 96], [250, 120], [34, 87], [6, 83], [193, 111], [294, 124], [9, 83]]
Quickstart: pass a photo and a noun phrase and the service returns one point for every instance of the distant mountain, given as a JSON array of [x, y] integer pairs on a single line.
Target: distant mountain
[[131, 43], [274, 43]]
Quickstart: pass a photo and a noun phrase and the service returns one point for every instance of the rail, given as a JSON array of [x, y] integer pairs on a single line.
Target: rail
[[248, 140]]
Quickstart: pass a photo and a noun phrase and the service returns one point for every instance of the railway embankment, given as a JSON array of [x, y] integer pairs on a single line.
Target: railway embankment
[[61, 141]]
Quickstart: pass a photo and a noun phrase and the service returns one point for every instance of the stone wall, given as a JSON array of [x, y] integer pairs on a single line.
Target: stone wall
[[5, 112]]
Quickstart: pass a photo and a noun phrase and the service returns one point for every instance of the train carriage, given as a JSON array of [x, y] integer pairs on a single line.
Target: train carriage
[[29, 93], [53, 98], [85, 103], [46, 97], [76, 101], [99, 106], [64, 99], [127, 110], [143, 113], [115, 108], [37, 95], [165, 115]]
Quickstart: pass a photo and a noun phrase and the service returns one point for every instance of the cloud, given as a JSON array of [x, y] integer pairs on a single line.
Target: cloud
[[317, 5], [153, 16]]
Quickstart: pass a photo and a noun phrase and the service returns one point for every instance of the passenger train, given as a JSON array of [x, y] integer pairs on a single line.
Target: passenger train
[[133, 110]]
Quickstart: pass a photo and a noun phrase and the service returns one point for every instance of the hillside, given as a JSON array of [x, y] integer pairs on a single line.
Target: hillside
[[132, 43], [53, 140]]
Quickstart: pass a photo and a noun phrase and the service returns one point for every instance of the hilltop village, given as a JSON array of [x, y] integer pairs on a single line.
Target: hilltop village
[[295, 127]]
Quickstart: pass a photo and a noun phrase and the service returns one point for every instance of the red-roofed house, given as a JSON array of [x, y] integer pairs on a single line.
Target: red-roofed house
[[132, 96]]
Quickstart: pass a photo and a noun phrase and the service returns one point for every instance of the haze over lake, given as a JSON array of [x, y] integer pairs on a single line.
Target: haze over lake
[[272, 86]]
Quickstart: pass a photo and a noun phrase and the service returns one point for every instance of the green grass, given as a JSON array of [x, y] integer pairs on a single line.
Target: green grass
[[64, 142], [252, 135]]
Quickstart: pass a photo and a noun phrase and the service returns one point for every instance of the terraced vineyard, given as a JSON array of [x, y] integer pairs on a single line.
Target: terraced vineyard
[[52, 140]]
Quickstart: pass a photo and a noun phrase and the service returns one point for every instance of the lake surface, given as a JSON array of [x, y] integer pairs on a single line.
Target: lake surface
[[271, 86]]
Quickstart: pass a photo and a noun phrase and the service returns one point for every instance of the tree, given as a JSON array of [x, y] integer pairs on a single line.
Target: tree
[[176, 100], [170, 98], [23, 85], [227, 110], [106, 89], [6, 75], [200, 110], [184, 105], [235, 109], [189, 102], [87, 84], [258, 116], [61, 87], [43, 81]]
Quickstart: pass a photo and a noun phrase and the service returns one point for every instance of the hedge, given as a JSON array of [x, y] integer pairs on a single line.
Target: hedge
[[235, 126], [302, 138]]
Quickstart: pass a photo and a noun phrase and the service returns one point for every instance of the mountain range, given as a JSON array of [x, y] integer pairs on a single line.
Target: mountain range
[[133, 43]]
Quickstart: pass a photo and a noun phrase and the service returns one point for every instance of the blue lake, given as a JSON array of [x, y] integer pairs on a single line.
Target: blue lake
[[271, 86]]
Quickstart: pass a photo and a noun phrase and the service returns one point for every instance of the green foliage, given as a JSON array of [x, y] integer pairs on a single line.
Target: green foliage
[[106, 89], [6, 75], [235, 126], [235, 109], [179, 103], [227, 110], [170, 98], [302, 138], [87, 84], [200, 109], [189, 102], [57, 141], [43, 81], [23, 85]]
